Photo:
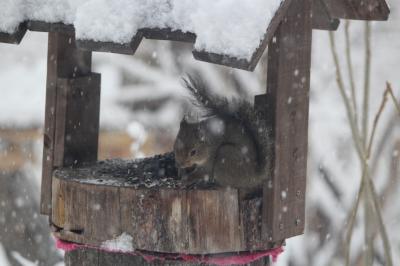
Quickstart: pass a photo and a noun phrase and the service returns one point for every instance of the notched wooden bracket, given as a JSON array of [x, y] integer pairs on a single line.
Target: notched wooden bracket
[[223, 60], [111, 47], [16, 37], [168, 34], [322, 20], [35, 25], [358, 9]]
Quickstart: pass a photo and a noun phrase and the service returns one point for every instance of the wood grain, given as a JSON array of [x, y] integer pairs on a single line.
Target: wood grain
[[63, 61], [358, 9], [168, 34], [77, 120], [289, 57], [41, 26], [92, 206], [111, 47], [322, 20]]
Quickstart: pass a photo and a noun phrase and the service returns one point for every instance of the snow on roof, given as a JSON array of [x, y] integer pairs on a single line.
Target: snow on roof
[[231, 27]]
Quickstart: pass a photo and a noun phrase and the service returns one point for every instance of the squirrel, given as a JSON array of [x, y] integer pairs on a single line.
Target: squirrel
[[226, 147]]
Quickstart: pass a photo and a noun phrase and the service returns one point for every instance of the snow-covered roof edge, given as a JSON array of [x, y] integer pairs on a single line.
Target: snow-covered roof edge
[[231, 40]]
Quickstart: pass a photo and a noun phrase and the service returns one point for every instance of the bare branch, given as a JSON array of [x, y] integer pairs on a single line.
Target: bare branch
[[367, 73], [350, 115], [350, 70], [396, 103]]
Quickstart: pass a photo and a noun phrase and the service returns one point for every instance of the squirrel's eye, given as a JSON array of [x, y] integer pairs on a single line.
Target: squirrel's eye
[[192, 152]]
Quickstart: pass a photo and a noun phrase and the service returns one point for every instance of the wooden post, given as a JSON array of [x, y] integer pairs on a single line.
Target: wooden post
[[288, 82], [70, 104]]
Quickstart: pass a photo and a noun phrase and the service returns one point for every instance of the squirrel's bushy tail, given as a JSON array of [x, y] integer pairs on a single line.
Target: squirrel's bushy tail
[[236, 109]]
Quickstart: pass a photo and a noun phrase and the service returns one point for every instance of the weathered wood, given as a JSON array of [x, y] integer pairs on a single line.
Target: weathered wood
[[322, 20], [14, 38], [289, 57], [358, 9], [41, 26], [244, 64], [168, 34], [92, 257], [63, 61], [96, 203], [77, 120], [220, 59], [111, 47]]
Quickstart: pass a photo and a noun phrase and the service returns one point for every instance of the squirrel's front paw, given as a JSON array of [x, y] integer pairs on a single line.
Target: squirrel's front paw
[[194, 175]]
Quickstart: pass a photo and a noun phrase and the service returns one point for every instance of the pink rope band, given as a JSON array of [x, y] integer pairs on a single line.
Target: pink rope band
[[240, 259]]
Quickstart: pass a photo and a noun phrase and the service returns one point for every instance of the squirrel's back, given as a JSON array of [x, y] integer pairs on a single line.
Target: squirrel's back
[[232, 112]]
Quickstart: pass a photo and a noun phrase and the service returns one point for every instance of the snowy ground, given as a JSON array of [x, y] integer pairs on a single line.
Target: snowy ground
[[153, 76]]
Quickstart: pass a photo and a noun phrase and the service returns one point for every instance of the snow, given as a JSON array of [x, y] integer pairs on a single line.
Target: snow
[[138, 133], [3, 257], [230, 27], [11, 15], [53, 10], [23, 261], [121, 243]]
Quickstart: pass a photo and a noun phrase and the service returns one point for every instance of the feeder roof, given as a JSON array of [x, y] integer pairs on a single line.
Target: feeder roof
[[229, 32]]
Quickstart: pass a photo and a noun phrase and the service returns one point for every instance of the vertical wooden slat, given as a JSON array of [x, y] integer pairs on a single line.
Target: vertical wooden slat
[[289, 57], [77, 120], [63, 61]]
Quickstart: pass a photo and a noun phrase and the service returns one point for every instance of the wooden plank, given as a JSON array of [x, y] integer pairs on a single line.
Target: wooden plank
[[63, 60], [289, 59], [103, 210], [358, 9], [208, 216], [168, 34], [41, 26], [322, 20], [16, 37], [111, 47], [77, 120], [243, 63], [220, 59]]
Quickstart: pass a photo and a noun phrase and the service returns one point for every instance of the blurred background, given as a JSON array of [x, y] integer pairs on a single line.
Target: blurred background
[[143, 101]]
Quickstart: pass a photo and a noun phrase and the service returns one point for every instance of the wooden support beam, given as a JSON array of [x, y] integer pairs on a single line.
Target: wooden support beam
[[111, 47], [322, 20], [64, 61], [168, 34], [41, 26], [14, 38], [358, 9], [77, 120], [288, 82]]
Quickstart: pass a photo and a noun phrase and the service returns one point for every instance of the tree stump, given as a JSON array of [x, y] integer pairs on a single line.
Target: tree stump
[[143, 199]]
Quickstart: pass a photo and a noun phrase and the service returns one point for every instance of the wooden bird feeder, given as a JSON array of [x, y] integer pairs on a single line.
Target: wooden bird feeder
[[90, 202]]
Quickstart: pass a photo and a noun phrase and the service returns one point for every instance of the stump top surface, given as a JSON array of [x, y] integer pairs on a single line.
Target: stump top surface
[[154, 172], [158, 172]]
